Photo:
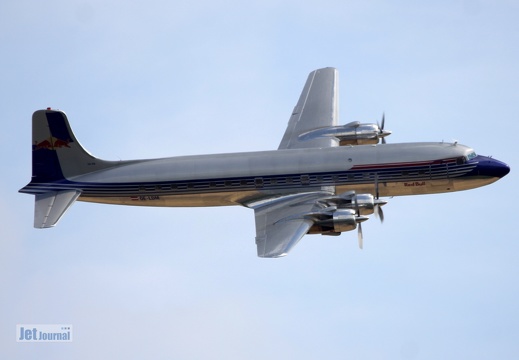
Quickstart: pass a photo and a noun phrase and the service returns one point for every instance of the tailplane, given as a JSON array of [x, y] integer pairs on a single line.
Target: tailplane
[[57, 158], [49, 207]]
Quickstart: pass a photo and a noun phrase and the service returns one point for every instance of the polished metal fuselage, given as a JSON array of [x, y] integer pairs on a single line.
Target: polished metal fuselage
[[243, 178]]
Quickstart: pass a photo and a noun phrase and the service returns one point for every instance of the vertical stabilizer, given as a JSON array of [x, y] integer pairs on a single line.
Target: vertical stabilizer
[[57, 157], [56, 153]]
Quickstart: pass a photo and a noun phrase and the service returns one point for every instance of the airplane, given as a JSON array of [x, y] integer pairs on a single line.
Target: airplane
[[324, 178]]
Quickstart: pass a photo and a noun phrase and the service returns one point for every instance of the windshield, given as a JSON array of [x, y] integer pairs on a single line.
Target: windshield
[[471, 156]]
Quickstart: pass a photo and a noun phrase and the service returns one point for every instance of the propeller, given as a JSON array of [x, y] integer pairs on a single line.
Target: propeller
[[359, 235], [379, 203], [383, 133], [359, 223], [378, 210]]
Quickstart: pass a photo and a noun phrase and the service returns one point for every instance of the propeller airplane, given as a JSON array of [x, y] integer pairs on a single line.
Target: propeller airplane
[[324, 178]]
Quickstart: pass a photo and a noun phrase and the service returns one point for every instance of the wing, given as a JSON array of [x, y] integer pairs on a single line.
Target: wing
[[281, 222], [49, 207], [317, 107]]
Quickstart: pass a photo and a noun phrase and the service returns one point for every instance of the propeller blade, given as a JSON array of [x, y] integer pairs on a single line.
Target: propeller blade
[[376, 187], [378, 203], [381, 132], [379, 213], [359, 234]]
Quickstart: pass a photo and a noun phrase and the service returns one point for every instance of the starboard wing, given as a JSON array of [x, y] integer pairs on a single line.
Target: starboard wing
[[317, 107]]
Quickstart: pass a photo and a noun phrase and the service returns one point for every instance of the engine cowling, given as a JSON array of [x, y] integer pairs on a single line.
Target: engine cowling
[[364, 134], [353, 133], [340, 220], [344, 220], [365, 203]]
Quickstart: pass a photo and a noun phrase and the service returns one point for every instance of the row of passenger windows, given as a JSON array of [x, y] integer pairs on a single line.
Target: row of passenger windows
[[297, 180], [261, 182], [257, 182]]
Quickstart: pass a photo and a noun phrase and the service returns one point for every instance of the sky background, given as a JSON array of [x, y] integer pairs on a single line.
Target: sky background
[[162, 78]]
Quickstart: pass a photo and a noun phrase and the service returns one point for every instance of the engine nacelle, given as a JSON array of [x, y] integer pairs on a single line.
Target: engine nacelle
[[363, 134], [365, 203], [353, 133], [339, 221], [344, 220]]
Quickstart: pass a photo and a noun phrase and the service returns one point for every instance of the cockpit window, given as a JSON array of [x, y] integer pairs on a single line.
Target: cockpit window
[[471, 156]]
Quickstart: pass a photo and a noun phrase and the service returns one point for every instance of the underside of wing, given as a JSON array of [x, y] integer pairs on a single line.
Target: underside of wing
[[281, 223], [317, 108]]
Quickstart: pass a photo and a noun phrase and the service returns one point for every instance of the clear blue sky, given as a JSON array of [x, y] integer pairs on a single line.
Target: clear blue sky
[[438, 280]]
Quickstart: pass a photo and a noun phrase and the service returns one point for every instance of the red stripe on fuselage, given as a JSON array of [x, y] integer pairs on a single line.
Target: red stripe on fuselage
[[402, 164]]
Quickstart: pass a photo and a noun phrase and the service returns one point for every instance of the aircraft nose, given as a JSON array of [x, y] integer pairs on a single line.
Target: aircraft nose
[[502, 168], [492, 167]]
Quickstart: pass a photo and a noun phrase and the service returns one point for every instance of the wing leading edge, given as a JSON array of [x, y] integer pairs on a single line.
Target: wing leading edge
[[318, 107]]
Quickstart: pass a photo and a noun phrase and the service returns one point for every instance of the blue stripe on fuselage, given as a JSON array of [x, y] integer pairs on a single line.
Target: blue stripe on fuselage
[[380, 172]]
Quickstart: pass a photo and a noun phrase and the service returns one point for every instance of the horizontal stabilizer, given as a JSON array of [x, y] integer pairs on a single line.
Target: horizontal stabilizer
[[50, 206]]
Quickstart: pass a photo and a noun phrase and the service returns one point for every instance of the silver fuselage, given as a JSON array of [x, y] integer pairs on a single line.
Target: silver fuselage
[[242, 178]]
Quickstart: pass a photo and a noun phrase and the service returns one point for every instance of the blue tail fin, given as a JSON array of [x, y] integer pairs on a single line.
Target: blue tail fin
[[49, 132], [57, 157], [56, 153]]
